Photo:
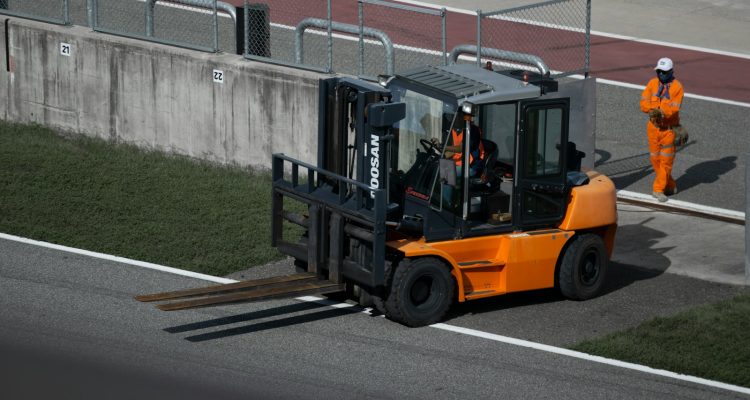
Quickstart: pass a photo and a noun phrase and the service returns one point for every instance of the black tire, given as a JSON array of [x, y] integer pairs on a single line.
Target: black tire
[[421, 292], [584, 267], [379, 299], [300, 266]]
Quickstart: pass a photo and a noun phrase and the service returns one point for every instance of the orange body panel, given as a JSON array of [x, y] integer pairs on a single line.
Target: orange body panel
[[592, 205], [494, 265], [513, 262]]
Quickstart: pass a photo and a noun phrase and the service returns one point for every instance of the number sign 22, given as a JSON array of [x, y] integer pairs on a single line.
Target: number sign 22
[[218, 76]]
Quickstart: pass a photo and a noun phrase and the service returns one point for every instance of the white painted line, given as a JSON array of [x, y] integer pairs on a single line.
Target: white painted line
[[208, 9], [683, 205], [451, 328], [588, 357], [674, 45], [116, 259], [355, 38], [597, 33], [438, 7], [690, 95]]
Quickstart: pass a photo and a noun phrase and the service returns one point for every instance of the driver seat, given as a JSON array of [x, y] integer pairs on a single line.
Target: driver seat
[[487, 185]]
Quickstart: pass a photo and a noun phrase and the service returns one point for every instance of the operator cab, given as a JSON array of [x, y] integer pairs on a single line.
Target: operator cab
[[517, 150]]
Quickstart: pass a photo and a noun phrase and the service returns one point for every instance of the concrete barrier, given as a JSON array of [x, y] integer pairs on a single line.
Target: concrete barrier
[[157, 96]]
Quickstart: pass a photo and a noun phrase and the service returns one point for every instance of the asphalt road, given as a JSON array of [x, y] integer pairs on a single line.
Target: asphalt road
[[70, 328]]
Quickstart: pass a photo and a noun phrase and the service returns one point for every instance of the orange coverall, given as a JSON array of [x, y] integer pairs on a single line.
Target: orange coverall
[[668, 99]]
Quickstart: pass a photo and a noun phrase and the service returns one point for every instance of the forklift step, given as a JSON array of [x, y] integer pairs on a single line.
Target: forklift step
[[245, 291]]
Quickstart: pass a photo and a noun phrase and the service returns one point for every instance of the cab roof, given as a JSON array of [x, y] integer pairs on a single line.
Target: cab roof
[[467, 82]]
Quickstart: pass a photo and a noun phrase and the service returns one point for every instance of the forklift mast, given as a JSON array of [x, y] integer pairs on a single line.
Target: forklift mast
[[346, 194]]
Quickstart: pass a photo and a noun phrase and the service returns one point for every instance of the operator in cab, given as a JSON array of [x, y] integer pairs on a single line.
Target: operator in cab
[[452, 165], [454, 150]]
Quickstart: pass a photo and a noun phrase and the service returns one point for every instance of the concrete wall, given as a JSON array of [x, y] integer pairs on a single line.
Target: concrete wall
[[157, 96]]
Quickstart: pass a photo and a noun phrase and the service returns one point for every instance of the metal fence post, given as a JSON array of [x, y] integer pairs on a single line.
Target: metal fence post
[[330, 36], [246, 29], [216, 28], [90, 13], [66, 12], [587, 46], [361, 38], [149, 4], [444, 40], [94, 14], [479, 38]]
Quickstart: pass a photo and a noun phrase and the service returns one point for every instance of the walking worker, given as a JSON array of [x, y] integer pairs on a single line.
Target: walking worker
[[662, 99]]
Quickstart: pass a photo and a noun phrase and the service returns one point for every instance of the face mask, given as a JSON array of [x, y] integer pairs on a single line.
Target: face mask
[[664, 76]]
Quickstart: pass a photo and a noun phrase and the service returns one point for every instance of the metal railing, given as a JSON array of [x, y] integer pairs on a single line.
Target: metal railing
[[525, 59], [314, 34], [347, 28]]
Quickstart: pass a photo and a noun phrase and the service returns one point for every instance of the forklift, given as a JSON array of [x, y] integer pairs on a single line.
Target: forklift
[[392, 215]]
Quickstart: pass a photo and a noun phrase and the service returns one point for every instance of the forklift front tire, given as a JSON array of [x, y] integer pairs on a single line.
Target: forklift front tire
[[421, 292], [583, 267]]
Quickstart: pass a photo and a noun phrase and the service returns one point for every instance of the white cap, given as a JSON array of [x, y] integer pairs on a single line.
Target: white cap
[[664, 64]]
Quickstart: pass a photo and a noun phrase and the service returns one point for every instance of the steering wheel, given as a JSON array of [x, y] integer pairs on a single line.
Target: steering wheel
[[429, 146]]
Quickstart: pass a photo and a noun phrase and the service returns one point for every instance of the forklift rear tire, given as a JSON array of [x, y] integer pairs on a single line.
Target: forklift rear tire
[[421, 292], [300, 266], [583, 267]]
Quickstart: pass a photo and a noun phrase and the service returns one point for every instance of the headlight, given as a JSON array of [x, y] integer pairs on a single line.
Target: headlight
[[467, 108], [384, 79]]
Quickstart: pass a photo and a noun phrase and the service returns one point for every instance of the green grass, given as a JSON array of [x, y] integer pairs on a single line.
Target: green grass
[[118, 199], [711, 342]]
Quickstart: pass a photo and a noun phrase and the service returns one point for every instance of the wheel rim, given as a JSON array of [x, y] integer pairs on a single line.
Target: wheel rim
[[589, 268]]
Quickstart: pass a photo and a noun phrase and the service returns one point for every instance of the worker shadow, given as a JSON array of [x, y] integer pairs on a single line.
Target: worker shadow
[[296, 319], [706, 172], [638, 257], [626, 171]]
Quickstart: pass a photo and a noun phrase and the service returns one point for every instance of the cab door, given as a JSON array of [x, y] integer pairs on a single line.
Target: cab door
[[540, 191]]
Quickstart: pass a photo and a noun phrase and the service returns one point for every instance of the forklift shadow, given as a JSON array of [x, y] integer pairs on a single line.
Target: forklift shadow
[[264, 325], [642, 259]]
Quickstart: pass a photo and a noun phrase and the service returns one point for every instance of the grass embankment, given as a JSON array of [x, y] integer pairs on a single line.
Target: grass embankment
[[710, 341], [121, 200], [118, 199]]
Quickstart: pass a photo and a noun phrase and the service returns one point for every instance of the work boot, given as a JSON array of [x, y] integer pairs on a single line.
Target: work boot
[[660, 196], [671, 191]]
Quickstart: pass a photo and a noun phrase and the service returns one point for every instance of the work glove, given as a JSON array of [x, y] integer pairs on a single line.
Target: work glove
[[680, 135], [655, 115]]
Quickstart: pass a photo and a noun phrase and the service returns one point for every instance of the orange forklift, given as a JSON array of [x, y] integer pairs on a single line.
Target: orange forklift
[[392, 216]]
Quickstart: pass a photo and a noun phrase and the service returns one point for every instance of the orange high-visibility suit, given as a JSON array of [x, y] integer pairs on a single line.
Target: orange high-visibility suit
[[666, 97]]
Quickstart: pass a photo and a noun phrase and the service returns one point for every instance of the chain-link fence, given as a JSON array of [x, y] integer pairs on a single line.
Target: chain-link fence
[[358, 37], [412, 47], [195, 24], [556, 30], [52, 11]]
